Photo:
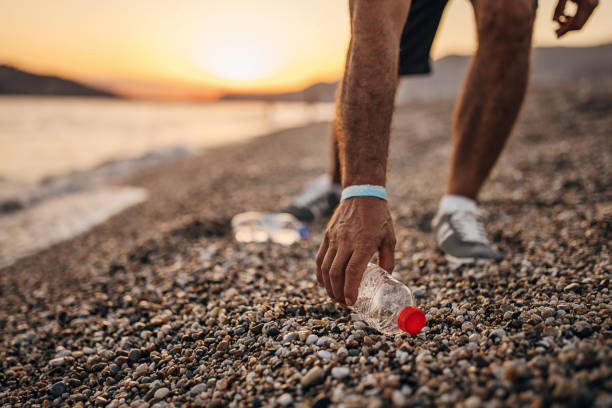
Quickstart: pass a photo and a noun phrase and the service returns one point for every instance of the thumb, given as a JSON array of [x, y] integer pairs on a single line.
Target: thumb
[[386, 254]]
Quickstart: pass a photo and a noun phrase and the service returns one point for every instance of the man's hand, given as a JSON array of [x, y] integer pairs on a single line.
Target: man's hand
[[577, 21], [360, 227]]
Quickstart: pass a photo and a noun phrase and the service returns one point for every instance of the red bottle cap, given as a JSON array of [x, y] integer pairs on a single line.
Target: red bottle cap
[[411, 319]]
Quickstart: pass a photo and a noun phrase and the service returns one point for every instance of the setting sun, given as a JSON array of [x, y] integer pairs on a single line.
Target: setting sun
[[238, 56]]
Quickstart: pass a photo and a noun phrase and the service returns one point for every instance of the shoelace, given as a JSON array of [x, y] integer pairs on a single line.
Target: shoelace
[[469, 225]]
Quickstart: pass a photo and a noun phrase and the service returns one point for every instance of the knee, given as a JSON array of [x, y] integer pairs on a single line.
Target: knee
[[507, 23]]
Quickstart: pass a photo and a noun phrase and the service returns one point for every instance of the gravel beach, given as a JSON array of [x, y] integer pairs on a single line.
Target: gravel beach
[[159, 306]]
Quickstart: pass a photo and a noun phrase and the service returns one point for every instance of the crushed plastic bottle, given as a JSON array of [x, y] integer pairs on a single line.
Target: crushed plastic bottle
[[281, 228], [386, 304]]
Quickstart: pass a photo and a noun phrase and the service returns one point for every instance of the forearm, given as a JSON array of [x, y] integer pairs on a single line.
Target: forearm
[[366, 106]]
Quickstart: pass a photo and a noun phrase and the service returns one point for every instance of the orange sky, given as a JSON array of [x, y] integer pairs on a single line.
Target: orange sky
[[172, 48]]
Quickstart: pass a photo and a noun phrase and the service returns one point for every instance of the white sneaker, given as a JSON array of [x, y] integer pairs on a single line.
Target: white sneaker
[[461, 235], [318, 200]]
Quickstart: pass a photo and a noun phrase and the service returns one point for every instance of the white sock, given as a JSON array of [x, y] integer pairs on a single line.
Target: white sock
[[451, 203]]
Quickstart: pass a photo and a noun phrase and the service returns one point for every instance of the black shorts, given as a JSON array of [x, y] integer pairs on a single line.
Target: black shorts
[[418, 35]]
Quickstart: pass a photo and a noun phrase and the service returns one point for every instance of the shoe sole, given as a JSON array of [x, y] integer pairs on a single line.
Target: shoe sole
[[462, 261]]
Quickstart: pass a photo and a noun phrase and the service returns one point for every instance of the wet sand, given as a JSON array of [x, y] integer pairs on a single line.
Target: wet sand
[[159, 305]]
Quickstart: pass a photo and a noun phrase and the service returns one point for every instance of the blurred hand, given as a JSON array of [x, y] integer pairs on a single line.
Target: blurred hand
[[577, 21], [360, 227]]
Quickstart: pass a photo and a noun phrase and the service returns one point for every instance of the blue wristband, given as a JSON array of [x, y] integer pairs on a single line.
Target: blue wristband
[[362, 190]]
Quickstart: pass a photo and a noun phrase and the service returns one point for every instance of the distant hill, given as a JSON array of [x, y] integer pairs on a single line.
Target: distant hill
[[17, 82], [549, 65], [319, 92]]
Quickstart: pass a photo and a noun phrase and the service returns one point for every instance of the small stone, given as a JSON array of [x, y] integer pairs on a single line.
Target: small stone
[[472, 402], [406, 390], [368, 341], [288, 338], [161, 393], [499, 333], [359, 325], [342, 353], [340, 372], [114, 368], [223, 346], [222, 384], [583, 329], [399, 400], [141, 370], [324, 341], [418, 292], [312, 339], [135, 355], [315, 376], [285, 400], [57, 389], [572, 287], [197, 389], [467, 326], [324, 354], [89, 351], [270, 329], [402, 356], [56, 362]]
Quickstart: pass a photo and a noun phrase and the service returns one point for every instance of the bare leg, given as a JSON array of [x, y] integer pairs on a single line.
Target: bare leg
[[492, 93]]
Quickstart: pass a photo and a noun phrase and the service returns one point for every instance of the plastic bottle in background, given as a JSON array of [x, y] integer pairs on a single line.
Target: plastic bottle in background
[[386, 304], [282, 228]]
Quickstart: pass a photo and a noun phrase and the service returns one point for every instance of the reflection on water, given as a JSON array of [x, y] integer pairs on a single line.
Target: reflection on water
[[43, 136]]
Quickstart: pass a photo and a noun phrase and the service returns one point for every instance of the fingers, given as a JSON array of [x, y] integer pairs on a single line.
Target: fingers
[[386, 254], [325, 267], [354, 272], [559, 11], [336, 275], [576, 22], [319, 260]]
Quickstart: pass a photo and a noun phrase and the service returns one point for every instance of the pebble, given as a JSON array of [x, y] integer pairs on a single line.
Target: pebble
[[324, 341], [324, 354], [340, 372], [198, 389], [312, 339], [56, 362], [57, 389], [398, 398], [572, 287], [472, 402], [499, 333], [270, 329], [285, 400], [289, 337], [223, 346], [141, 370], [161, 393], [359, 325], [583, 329], [314, 376], [134, 355], [418, 292], [467, 326]]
